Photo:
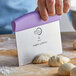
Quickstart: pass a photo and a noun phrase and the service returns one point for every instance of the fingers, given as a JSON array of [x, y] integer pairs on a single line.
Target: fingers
[[52, 7], [50, 4], [59, 7], [66, 4], [42, 9]]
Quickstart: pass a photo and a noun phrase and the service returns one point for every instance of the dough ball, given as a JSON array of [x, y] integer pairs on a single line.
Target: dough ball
[[56, 61], [65, 69], [43, 58], [74, 44], [73, 72]]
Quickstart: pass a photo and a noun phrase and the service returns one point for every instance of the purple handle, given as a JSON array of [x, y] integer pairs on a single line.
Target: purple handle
[[31, 20]]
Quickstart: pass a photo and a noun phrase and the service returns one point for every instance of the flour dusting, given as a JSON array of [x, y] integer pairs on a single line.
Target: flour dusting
[[69, 54], [6, 70]]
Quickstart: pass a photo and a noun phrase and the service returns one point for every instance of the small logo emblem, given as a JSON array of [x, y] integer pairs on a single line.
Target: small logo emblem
[[38, 31]]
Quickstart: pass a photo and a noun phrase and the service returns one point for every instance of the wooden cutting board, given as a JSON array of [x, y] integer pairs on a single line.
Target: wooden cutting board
[[41, 69]]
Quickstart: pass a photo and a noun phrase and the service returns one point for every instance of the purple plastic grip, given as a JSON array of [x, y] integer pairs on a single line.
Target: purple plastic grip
[[31, 20]]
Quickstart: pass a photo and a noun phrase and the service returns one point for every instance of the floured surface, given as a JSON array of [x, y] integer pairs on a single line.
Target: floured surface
[[35, 69], [7, 42], [8, 52]]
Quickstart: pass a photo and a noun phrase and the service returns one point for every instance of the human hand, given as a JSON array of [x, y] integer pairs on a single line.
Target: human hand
[[51, 7]]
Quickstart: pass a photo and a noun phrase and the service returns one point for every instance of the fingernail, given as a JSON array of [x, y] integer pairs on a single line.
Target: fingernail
[[45, 18]]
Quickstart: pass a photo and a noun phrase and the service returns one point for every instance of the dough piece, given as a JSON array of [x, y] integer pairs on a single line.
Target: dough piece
[[65, 69], [73, 72], [56, 61], [43, 58], [74, 44]]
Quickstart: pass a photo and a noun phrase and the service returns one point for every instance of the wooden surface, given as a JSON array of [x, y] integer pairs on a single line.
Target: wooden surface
[[8, 56]]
